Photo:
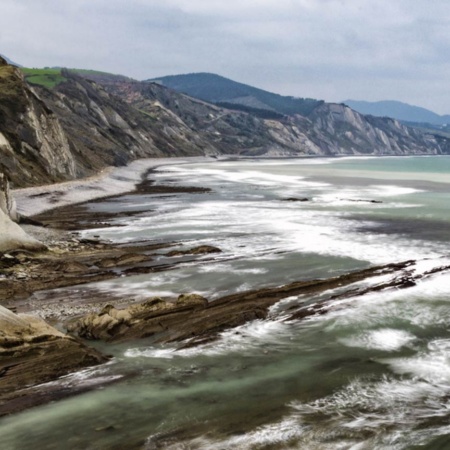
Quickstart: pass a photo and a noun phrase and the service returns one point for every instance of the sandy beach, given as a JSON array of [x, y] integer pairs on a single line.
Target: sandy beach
[[110, 181]]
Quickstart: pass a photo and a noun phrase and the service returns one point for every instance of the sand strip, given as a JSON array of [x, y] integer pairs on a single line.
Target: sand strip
[[110, 181]]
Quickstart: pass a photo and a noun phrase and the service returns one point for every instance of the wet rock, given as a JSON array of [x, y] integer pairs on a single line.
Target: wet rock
[[191, 299], [295, 199], [360, 200], [200, 250], [71, 267], [33, 352], [21, 275], [7, 261], [123, 260], [139, 320], [194, 320]]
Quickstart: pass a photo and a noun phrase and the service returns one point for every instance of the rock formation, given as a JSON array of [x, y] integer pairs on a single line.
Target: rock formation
[[191, 318], [33, 352], [12, 236]]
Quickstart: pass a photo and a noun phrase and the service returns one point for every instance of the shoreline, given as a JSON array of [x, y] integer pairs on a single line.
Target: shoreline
[[110, 181], [113, 181], [73, 261]]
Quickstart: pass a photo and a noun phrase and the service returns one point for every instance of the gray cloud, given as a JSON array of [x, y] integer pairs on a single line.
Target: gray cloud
[[330, 49]]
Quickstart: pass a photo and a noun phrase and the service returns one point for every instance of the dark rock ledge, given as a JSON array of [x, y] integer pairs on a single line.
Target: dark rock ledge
[[193, 320], [32, 352]]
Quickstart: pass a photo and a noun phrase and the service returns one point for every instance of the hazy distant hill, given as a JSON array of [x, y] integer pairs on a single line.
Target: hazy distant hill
[[398, 110], [220, 90]]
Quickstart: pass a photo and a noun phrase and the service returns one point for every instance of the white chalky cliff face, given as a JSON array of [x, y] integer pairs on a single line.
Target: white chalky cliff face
[[12, 236]]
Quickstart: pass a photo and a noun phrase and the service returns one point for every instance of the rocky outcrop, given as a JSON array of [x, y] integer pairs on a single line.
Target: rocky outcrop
[[12, 236], [137, 321], [200, 250], [7, 202], [32, 352], [195, 321]]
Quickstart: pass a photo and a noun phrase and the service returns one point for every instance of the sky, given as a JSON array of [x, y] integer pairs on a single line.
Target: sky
[[327, 49]]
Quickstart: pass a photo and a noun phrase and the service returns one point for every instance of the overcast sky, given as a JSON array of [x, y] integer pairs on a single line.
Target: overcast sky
[[327, 49]]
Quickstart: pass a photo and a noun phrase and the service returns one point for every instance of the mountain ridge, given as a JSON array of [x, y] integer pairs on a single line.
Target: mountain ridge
[[398, 110], [218, 89]]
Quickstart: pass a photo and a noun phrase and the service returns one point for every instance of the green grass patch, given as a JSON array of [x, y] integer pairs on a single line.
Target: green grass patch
[[48, 78]]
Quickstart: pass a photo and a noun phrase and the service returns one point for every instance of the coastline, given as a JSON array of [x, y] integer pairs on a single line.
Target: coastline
[[186, 321], [109, 182], [68, 260]]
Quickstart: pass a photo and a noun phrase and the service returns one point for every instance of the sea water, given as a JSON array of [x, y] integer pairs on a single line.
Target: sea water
[[372, 373]]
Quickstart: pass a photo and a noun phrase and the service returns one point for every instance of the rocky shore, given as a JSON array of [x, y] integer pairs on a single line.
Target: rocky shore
[[33, 351], [192, 320]]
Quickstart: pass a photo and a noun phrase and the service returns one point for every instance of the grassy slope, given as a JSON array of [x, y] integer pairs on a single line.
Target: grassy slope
[[48, 78]]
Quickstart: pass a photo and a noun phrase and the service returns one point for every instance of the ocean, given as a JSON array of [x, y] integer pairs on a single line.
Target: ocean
[[371, 373]]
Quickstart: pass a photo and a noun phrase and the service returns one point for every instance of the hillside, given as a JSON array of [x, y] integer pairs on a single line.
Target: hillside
[[329, 129], [220, 90], [398, 110]]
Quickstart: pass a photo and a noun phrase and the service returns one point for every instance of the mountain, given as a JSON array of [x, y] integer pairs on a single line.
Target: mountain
[[59, 124], [398, 110], [225, 92]]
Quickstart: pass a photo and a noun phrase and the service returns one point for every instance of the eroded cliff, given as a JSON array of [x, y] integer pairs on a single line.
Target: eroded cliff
[[34, 148]]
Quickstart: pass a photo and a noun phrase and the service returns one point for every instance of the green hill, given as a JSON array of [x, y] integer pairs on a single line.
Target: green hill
[[216, 89]]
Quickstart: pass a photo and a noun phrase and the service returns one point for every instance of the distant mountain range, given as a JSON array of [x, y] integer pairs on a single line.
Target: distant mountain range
[[398, 110], [228, 93]]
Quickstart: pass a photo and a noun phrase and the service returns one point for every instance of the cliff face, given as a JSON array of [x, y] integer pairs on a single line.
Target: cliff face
[[329, 129], [33, 146], [77, 128], [105, 130], [337, 129]]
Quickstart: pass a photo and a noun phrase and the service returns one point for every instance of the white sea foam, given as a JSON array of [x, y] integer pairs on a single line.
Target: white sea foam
[[362, 415], [91, 376], [307, 228], [257, 336], [386, 339], [432, 365]]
